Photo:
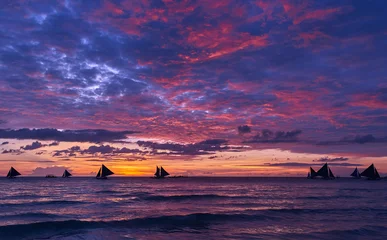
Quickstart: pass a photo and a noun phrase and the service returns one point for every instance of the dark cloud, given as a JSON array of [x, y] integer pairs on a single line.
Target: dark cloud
[[101, 149], [4, 143], [244, 129], [33, 146], [359, 139], [53, 144], [86, 135], [13, 151], [201, 148], [267, 136], [327, 159]]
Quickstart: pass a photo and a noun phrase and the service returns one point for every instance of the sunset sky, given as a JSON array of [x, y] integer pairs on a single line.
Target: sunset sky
[[203, 88]]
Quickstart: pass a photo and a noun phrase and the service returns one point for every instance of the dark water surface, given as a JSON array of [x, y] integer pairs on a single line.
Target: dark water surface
[[192, 208]]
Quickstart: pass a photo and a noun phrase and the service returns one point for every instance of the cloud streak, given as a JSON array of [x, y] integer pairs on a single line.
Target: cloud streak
[[86, 135]]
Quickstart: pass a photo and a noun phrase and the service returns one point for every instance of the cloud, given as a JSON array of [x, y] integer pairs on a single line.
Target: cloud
[[201, 148], [327, 159], [33, 146], [13, 151], [101, 149], [4, 143], [53, 144], [55, 170], [359, 139], [267, 136], [244, 129], [297, 164], [114, 65], [86, 135]]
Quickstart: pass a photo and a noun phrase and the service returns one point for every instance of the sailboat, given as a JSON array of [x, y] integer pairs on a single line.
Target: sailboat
[[12, 173], [104, 172], [66, 174], [312, 173], [325, 172], [371, 173], [356, 173], [160, 172]]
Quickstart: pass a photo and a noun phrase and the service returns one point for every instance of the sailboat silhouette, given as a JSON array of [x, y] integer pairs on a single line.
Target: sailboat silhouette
[[104, 172], [160, 172], [312, 173], [371, 173], [325, 172], [12, 173], [356, 173], [66, 174]]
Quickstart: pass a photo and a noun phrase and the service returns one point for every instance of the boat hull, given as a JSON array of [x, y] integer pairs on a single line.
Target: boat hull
[[101, 178]]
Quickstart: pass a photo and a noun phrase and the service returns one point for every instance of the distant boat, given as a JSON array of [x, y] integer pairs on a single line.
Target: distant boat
[[12, 173], [371, 173], [312, 173], [50, 176], [160, 172], [356, 173], [325, 172], [104, 172], [66, 174]]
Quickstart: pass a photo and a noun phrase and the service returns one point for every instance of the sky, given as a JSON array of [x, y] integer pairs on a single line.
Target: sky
[[201, 87]]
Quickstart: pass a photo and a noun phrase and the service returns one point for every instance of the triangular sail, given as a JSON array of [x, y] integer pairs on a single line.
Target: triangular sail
[[371, 172], [157, 174], [355, 173], [66, 174], [163, 173], [324, 171], [99, 172], [331, 174], [105, 171], [313, 173], [13, 172], [377, 176]]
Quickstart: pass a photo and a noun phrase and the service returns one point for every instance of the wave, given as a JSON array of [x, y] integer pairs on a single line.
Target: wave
[[191, 197], [39, 203], [367, 232], [197, 220], [330, 197], [23, 196], [323, 211], [109, 192]]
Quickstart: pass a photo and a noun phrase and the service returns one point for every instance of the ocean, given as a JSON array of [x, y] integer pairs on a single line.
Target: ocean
[[192, 208]]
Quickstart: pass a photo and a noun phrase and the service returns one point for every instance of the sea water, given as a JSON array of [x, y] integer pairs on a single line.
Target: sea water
[[192, 208]]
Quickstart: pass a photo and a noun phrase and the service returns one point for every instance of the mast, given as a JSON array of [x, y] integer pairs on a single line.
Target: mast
[[163, 173]]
